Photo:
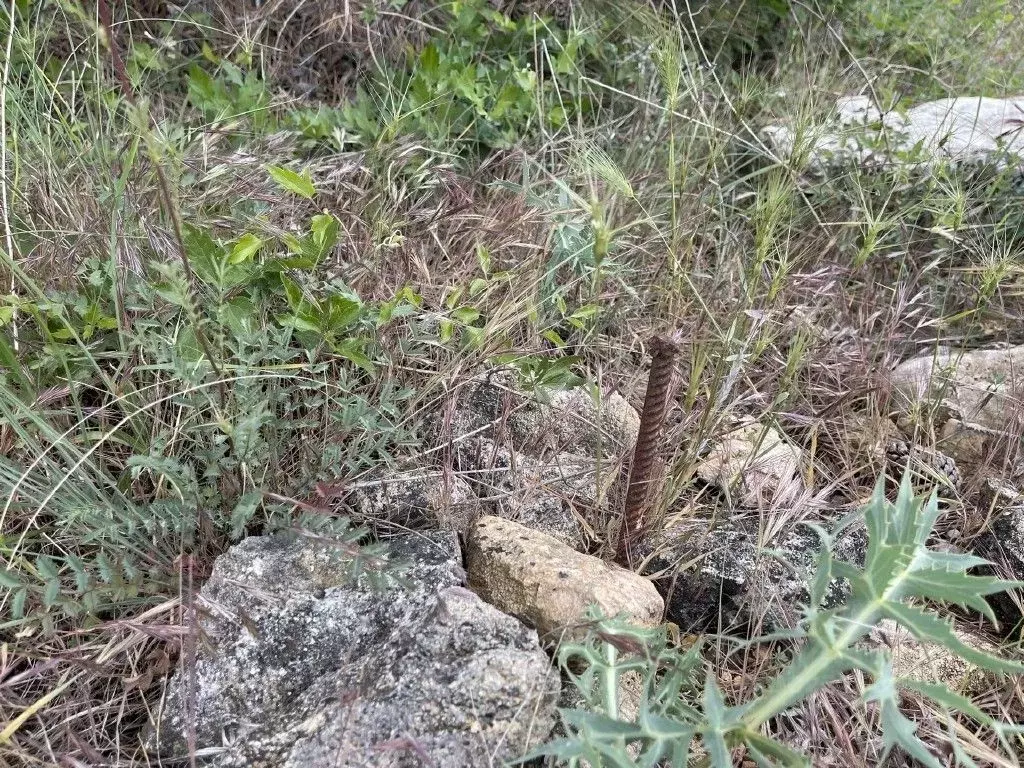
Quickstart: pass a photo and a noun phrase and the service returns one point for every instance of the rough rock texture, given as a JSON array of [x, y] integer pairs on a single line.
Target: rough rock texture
[[543, 494], [736, 580], [543, 462], [610, 426], [1003, 544], [421, 500], [757, 464], [548, 585], [302, 672], [958, 130], [932, 662], [977, 396], [494, 406]]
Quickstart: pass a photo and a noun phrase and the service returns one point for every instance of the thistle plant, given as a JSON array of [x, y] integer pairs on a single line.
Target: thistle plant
[[902, 580]]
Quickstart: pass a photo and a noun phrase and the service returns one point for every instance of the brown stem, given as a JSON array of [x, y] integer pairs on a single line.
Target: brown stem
[[645, 455]]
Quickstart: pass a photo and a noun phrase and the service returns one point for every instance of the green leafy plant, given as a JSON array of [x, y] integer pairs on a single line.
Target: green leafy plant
[[902, 578], [489, 81], [189, 413], [231, 94]]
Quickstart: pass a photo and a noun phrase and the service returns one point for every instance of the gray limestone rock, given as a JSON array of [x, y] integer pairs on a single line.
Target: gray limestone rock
[[300, 669], [974, 398], [421, 499], [493, 405], [962, 130], [544, 459], [735, 579]]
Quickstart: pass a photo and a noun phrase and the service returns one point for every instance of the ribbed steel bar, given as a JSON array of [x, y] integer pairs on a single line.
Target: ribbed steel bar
[[648, 445]]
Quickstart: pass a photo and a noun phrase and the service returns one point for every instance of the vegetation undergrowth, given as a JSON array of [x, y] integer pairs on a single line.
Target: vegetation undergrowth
[[242, 263], [675, 707]]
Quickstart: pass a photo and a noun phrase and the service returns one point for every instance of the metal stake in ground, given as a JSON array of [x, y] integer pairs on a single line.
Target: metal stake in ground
[[648, 444]]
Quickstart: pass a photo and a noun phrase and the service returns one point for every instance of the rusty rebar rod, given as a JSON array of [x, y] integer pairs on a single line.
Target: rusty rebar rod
[[648, 446]]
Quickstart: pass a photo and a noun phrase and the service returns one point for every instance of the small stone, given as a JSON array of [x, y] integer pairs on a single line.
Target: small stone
[[757, 463], [497, 555]]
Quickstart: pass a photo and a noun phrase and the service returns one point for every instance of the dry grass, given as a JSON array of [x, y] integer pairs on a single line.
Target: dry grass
[[762, 271]]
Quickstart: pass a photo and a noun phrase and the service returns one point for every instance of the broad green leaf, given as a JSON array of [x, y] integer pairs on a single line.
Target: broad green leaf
[[292, 242], [302, 322], [202, 90], [430, 61], [466, 315], [340, 313], [324, 230], [554, 338], [245, 248], [205, 255], [352, 350], [239, 315], [188, 346], [292, 292], [289, 180], [9, 361]]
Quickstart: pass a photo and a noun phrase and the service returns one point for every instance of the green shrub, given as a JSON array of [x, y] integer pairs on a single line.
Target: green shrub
[[489, 81], [150, 416]]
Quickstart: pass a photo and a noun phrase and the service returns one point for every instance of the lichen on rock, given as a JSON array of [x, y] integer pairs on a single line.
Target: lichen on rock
[[299, 670]]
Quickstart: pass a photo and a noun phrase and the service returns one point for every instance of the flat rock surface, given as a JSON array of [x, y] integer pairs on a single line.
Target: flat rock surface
[[982, 387], [975, 399], [549, 585], [302, 669]]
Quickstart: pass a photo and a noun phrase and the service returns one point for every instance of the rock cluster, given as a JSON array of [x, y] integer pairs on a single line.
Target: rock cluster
[[547, 460], [300, 669], [963, 130]]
